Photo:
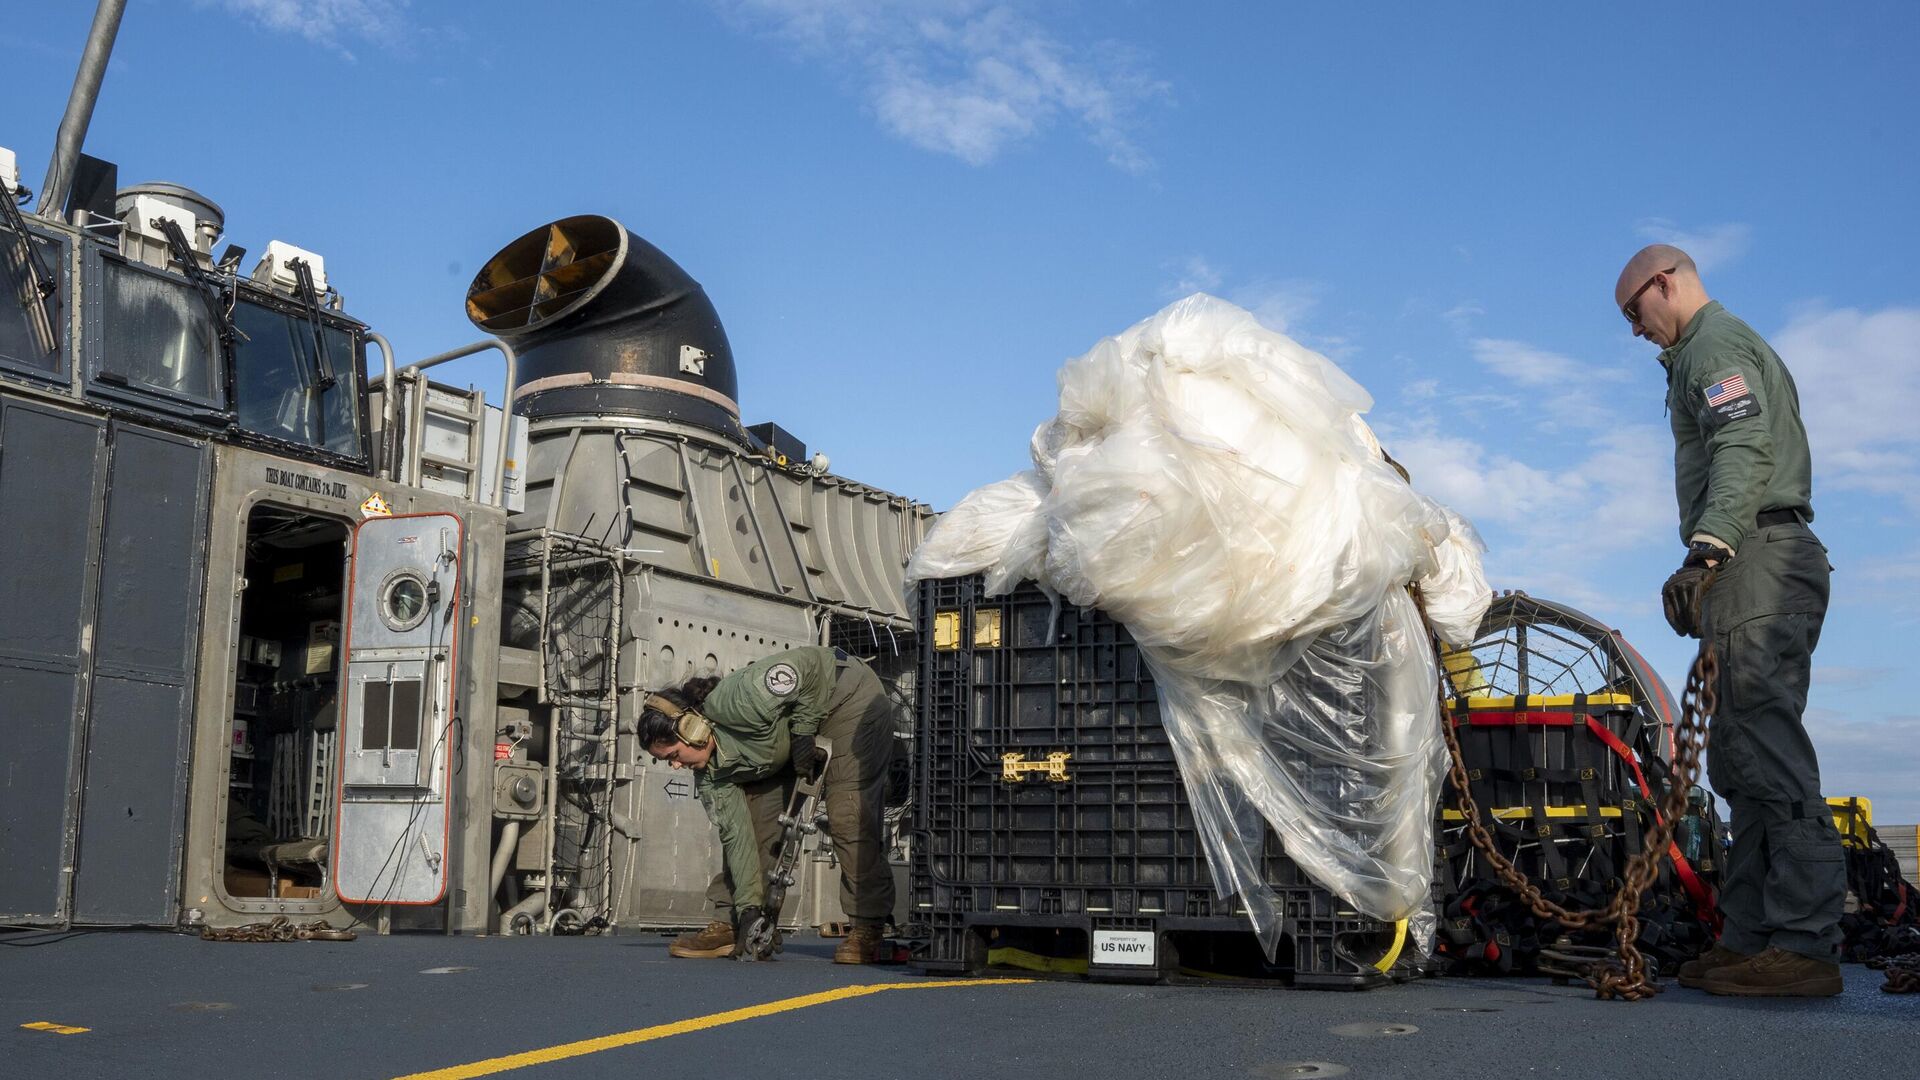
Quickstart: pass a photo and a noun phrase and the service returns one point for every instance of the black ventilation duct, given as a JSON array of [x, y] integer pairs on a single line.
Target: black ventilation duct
[[605, 324]]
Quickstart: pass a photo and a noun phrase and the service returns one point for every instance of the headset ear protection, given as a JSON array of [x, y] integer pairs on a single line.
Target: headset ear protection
[[689, 724]]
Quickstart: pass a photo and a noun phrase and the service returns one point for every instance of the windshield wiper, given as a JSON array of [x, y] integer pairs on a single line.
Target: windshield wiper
[[27, 256], [310, 300], [213, 287]]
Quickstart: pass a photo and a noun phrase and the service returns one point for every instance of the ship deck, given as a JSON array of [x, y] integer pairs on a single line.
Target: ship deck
[[156, 1005]]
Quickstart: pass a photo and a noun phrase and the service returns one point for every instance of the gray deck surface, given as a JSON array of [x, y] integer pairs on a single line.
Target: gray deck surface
[[162, 1005]]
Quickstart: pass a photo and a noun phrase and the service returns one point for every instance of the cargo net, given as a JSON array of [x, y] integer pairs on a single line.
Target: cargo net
[[571, 608], [1882, 929], [1566, 734]]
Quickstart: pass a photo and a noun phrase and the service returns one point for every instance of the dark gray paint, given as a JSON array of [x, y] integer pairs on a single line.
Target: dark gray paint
[[278, 1025], [49, 463], [152, 562]]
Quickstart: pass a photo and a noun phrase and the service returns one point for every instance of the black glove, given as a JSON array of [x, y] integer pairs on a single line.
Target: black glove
[[1681, 596], [806, 755]]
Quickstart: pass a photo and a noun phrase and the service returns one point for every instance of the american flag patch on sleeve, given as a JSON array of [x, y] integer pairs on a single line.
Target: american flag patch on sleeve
[[1728, 389]]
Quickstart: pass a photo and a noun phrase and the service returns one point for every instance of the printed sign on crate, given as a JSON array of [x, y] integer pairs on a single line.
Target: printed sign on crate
[[1134, 948]]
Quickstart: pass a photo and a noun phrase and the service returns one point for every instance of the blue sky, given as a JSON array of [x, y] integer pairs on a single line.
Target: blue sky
[[910, 214]]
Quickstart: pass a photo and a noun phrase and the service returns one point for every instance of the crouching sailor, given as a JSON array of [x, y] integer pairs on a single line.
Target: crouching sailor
[[746, 737]]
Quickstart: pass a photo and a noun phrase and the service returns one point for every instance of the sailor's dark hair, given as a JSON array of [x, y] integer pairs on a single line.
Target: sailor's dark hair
[[657, 727]]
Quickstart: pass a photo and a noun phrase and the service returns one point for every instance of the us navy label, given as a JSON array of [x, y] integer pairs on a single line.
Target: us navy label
[[1131, 948], [307, 483]]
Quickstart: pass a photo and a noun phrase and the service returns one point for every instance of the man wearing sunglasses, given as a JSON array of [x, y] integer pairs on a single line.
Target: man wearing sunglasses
[[1754, 582]]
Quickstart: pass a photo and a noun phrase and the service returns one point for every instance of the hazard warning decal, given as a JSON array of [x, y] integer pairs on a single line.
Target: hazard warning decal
[[375, 506], [782, 680]]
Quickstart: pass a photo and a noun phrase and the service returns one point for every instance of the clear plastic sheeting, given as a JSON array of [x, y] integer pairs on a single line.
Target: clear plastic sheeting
[[1211, 484]]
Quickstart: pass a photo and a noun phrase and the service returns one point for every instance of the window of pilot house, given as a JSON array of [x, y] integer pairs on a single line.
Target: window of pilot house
[[390, 715], [159, 335], [32, 328], [278, 380]]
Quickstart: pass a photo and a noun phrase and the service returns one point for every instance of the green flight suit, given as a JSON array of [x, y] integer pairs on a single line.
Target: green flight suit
[[1743, 475], [755, 712]]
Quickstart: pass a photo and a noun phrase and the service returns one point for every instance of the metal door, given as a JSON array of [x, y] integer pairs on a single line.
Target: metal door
[[50, 463], [403, 623], [140, 716]]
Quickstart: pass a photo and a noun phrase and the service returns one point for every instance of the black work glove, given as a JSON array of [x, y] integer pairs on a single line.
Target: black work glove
[[1681, 596], [745, 921], [806, 755]]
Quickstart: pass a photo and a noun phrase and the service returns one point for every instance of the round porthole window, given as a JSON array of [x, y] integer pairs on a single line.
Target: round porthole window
[[403, 600]]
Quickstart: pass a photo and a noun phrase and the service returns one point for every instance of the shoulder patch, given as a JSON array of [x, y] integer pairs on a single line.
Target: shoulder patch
[[782, 679], [1727, 400]]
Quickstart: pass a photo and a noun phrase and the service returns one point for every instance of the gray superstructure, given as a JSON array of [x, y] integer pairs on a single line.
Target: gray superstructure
[[277, 638], [685, 544]]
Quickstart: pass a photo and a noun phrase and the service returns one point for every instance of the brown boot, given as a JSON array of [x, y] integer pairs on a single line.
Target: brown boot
[[862, 945], [1775, 973], [713, 942], [1693, 972]]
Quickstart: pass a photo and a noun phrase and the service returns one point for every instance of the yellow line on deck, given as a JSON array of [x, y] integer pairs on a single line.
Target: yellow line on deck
[[57, 1029], [563, 1051]]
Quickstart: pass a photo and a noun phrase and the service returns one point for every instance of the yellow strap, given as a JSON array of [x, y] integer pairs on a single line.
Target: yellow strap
[[1549, 701], [1516, 813]]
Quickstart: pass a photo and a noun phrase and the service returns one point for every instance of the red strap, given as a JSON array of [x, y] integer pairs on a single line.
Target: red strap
[[1702, 896], [1624, 753], [1660, 700], [1703, 901]]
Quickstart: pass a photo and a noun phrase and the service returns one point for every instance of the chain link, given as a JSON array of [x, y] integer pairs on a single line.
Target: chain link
[[1903, 975], [279, 928], [1625, 975]]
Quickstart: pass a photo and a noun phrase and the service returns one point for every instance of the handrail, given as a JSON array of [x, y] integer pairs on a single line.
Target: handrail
[[389, 408], [506, 402]]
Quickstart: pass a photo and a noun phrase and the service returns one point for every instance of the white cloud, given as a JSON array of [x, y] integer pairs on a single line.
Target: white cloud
[[1282, 305], [1858, 378], [1530, 366], [1615, 497], [1841, 677], [1196, 275], [1872, 757], [1460, 316], [324, 22], [1569, 483], [967, 78], [1712, 247]]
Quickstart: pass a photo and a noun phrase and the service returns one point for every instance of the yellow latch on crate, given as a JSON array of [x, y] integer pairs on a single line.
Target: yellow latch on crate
[[946, 630], [1013, 767]]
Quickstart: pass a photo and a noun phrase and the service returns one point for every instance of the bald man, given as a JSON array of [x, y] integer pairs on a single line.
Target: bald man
[[1754, 582]]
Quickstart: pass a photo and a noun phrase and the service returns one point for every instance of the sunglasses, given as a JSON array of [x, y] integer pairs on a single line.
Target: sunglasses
[[1631, 309]]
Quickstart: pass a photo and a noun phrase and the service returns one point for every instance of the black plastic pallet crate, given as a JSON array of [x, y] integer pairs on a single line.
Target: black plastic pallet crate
[[1109, 850]]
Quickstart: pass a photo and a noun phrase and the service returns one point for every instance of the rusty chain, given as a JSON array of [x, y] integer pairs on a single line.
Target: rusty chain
[[279, 928], [1903, 974], [1624, 976]]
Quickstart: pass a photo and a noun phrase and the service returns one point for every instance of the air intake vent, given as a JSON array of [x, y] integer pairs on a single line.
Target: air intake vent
[[605, 324], [545, 274]]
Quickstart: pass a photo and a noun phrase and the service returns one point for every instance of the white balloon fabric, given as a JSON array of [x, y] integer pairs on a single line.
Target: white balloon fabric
[[1210, 483]]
